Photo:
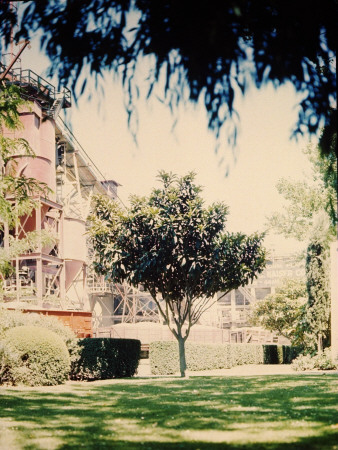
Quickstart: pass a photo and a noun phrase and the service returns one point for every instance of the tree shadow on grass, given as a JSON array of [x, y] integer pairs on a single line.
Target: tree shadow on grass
[[317, 443], [156, 414]]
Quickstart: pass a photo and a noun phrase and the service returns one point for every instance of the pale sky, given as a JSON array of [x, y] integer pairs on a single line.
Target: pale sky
[[264, 151]]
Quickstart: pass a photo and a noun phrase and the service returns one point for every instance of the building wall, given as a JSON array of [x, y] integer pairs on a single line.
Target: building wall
[[234, 307]]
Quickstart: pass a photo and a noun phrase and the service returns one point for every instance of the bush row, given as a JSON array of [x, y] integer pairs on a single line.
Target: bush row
[[105, 358], [40, 350], [36, 356], [164, 359], [279, 354]]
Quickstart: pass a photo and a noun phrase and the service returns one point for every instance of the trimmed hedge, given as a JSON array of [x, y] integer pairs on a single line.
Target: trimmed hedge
[[280, 354], [106, 358], [242, 354], [34, 356], [164, 358]]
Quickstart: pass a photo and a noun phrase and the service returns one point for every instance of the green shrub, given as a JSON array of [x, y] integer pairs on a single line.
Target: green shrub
[[11, 319], [279, 354], [321, 361], [8, 359], [207, 356], [303, 362], [246, 354], [324, 361], [272, 354], [39, 357], [164, 359], [105, 358], [290, 353]]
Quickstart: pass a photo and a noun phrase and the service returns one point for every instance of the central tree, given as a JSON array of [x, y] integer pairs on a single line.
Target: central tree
[[176, 248]]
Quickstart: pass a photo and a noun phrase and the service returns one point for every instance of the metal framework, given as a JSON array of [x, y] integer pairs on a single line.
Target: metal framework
[[34, 86], [39, 275], [127, 304]]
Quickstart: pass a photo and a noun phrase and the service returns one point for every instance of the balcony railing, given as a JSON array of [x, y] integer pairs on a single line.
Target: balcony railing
[[37, 85]]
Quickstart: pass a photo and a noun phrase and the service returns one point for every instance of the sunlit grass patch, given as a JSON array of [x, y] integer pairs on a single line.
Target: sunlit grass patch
[[274, 412]]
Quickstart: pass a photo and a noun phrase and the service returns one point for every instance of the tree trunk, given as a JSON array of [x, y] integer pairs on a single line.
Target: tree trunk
[[320, 343], [181, 347]]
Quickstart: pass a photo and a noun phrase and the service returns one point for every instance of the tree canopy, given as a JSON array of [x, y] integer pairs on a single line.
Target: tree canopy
[[309, 204], [176, 248], [310, 216], [284, 312], [209, 51]]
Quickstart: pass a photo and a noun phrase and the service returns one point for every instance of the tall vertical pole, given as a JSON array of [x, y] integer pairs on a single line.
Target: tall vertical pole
[[78, 185], [39, 277], [134, 297], [61, 255], [17, 277]]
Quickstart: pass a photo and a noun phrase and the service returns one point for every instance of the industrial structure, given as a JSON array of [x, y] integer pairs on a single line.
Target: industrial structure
[[57, 278]]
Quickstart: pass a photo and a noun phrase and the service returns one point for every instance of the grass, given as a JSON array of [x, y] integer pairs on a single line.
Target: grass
[[205, 413]]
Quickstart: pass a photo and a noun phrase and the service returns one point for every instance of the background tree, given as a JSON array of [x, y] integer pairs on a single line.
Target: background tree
[[284, 312], [204, 51], [318, 285], [310, 216], [177, 249], [325, 161]]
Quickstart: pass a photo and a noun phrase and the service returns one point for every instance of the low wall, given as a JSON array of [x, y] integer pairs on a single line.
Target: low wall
[[148, 332], [158, 333], [79, 321]]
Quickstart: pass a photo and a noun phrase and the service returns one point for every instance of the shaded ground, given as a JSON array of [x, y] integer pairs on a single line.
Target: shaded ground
[[203, 412]]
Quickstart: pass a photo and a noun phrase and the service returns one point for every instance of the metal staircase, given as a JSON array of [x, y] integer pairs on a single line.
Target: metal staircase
[[57, 105]]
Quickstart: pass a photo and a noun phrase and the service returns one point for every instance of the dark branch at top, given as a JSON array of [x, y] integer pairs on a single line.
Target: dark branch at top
[[209, 50]]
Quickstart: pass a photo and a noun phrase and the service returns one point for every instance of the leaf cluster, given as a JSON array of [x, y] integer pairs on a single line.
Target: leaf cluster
[[324, 161], [311, 208], [209, 51], [11, 101]]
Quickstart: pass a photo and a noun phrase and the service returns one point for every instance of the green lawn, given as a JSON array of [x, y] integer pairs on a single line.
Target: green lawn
[[243, 413]]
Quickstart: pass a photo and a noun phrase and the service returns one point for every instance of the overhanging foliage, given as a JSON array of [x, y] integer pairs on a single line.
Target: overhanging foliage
[[210, 51]]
